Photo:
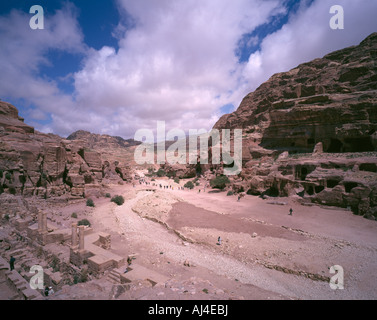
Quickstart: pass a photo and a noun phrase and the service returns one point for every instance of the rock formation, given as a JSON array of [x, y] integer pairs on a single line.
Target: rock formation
[[330, 100], [46, 165], [324, 114]]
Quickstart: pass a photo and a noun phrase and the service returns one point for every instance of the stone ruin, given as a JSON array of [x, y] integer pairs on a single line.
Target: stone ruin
[[67, 256]]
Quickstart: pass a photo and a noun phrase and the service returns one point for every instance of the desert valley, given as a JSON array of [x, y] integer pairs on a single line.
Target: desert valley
[[302, 210]]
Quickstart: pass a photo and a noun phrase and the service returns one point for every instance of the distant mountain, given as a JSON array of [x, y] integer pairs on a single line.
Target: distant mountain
[[94, 141]]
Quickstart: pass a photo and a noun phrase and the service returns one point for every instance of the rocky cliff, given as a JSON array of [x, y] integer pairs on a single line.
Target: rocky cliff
[[46, 165], [330, 100], [328, 106]]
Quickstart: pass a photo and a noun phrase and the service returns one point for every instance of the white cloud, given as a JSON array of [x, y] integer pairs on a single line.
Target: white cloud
[[23, 51], [178, 63], [307, 36]]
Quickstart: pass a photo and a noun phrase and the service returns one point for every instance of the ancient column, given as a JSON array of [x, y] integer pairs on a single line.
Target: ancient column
[[74, 235], [81, 237], [40, 220], [44, 222]]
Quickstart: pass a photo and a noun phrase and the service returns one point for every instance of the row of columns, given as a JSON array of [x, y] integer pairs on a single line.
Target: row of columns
[[77, 239]]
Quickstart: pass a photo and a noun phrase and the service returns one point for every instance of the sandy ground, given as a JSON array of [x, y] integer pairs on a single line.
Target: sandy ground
[[264, 254]]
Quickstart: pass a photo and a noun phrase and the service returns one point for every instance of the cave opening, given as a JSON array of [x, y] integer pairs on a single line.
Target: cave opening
[[310, 190], [335, 146], [272, 192], [349, 186], [318, 189], [371, 167], [363, 144], [332, 183]]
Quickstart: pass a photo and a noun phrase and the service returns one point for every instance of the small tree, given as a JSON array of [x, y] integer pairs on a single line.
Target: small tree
[[90, 203], [219, 182], [84, 222], [119, 200], [189, 185], [160, 173]]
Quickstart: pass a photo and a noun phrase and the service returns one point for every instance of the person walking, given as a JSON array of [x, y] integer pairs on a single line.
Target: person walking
[[219, 241], [290, 211], [11, 263]]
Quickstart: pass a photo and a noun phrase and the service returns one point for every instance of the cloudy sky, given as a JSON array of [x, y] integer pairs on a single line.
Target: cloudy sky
[[115, 66]]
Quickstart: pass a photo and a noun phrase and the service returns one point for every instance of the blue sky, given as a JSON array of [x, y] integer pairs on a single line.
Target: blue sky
[[117, 66]]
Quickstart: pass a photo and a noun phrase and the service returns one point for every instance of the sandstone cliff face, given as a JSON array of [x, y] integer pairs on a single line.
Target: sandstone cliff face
[[117, 154], [327, 105], [46, 165], [330, 100]]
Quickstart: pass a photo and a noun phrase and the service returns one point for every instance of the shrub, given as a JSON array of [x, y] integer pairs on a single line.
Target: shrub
[[84, 275], [249, 192], [189, 185], [176, 180], [197, 183], [1, 174], [160, 173], [108, 195], [241, 189], [8, 176], [54, 264], [84, 222], [230, 193], [171, 174], [74, 215], [90, 203], [119, 200], [219, 182]]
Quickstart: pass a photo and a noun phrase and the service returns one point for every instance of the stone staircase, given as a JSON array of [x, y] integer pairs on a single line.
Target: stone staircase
[[114, 276], [18, 283]]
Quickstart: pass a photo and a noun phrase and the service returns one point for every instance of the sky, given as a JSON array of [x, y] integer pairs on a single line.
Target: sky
[[116, 66]]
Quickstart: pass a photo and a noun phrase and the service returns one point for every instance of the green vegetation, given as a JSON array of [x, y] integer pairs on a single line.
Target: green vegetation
[[108, 195], [230, 193], [90, 203], [219, 182], [84, 222], [249, 192], [176, 180], [189, 185], [171, 174], [74, 215], [8, 176], [119, 200], [160, 173]]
